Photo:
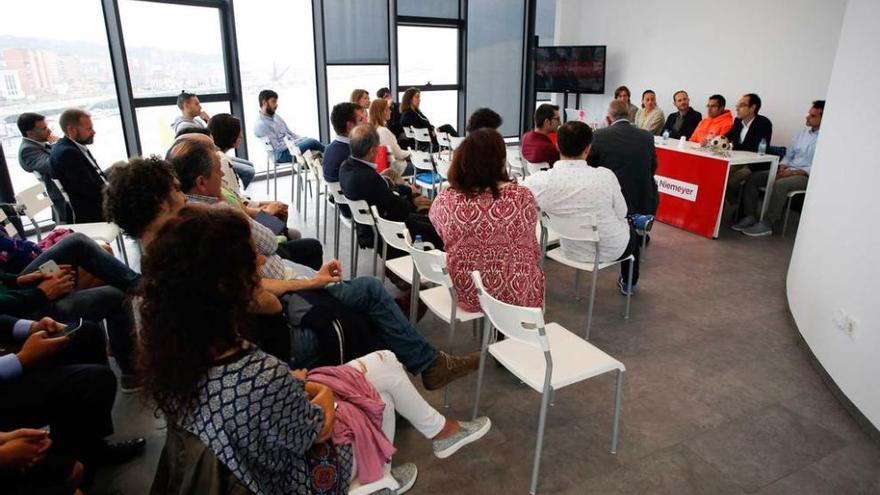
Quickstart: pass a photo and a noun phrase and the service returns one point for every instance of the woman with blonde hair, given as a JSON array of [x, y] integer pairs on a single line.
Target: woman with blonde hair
[[361, 98], [380, 112]]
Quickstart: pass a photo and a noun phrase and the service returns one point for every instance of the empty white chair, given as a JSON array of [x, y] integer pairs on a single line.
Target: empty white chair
[[361, 214], [455, 141], [791, 196], [515, 166], [339, 199], [441, 300], [34, 200], [443, 172], [444, 143], [392, 235], [583, 228], [272, 165], [423, 163], [422, 137], [546, 357]]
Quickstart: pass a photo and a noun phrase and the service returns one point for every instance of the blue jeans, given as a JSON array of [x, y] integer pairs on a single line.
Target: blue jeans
[[98, 303], [283, 156], [367, 295], [244, 172]]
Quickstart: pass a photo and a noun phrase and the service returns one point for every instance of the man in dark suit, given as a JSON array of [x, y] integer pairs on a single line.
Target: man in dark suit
[[629, 152], [749, 128], [33, 156], [75, 167], [685, 120]]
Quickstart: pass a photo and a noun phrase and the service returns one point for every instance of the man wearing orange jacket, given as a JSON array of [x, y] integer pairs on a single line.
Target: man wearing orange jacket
[[718, 121]]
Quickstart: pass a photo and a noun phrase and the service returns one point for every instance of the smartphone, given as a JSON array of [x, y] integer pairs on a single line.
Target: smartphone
[[49, 267], [71, 328]]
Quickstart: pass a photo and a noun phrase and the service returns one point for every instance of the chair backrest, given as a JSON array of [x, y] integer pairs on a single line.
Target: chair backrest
[[409, 132], [523, 324], [360, 212], [313, 162], [270, 151], [514, 161], [430, 264], [391, 232], [421, 160], [534, 168], [777, 150], [7, 225], [443, 140], [294, 150], [422, 135], [60, 189], [34, 200], [336, 192], [443, 165], [455, 141], [579, 228], [575, 114]]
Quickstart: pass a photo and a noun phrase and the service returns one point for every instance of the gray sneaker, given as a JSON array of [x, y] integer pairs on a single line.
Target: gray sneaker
[[744, 223], [470, 431], [760, 229], [405, 475]]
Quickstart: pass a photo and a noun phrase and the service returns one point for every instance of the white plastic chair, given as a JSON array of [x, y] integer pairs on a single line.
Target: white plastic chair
[[441, 300], [313, 165], [272, 165], [546, 237], [422, 137], [444, 143], [546, 357], [35, 200], [583, 228], [361, 214], [410, 134], [423, 162], [443, 171], [392, 235], [455, 142], [534, 168], [515, 163], [791, 196], [335, 192], [299, 168]]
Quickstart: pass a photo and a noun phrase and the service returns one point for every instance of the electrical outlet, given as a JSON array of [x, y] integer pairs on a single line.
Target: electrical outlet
[[845, 323]]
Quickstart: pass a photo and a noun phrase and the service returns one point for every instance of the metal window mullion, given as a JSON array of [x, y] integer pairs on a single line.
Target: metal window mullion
[[121, 76]]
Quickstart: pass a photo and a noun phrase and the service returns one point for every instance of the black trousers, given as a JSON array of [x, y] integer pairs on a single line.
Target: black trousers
[[308, 252], [633, 248], [73, 393]]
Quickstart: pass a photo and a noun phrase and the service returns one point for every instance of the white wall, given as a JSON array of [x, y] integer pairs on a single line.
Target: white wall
[[835, 261], [780, 49]]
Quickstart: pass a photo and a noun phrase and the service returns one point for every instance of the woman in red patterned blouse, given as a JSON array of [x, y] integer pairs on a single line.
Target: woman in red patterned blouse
[[488, 224]]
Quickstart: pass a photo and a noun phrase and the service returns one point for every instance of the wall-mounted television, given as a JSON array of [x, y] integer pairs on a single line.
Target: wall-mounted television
[[572, 69]]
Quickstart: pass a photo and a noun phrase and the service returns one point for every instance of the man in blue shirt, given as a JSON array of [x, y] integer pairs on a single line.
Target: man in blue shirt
[[793, 174], [271, 126]]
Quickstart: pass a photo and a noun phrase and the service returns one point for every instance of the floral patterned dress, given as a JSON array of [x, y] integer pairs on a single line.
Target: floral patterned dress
[[495, 236]]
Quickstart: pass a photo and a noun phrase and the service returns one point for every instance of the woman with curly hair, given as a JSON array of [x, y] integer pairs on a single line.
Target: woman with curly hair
[[274, 430]]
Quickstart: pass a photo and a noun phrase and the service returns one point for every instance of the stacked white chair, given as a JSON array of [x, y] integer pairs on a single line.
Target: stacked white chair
[[361, 215], [335, 192], [546, 357], [272, 165], [392, 235]]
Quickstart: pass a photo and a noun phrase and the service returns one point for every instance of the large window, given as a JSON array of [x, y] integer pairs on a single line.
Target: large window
[[154, 125], [63, 63], [441, 107], [172, 47], [427, 55], [279, 59], [343, 79]]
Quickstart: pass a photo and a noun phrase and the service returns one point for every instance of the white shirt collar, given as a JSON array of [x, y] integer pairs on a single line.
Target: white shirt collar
[[372, 165], [567, 164], [625, 119]]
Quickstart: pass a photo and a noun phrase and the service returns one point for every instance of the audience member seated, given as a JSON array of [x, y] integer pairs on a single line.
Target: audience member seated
[[191, 113], [411, 116], [792, 175], [271, 126], [380, 112], [717, 122], [484, 118], [629, 153], [343, 117], [537, 147], [361, 98], [623, 94], [144, 193], [650, 117], [488, 225], [392, 123], [60, 381], [195, 355], [575, 189], [226, 131], [74, 166], [685, 120], [397, 202], [33, 294], [33, 156]]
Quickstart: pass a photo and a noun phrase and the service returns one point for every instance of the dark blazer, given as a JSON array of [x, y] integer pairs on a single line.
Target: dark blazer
[[415, 118], [761, 128], [34, 157], [359, 181], [393, 123], [691, 120], [81, 180], [334, 154], [629, 152]]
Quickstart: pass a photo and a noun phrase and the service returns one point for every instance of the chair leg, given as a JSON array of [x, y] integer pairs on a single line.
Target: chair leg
[[592, 301], [787, 211], [384, 259], [577, 284], [618, 394], [354, 250], [318, 212], [335, 235], [542, 422], [414, 297], [375, 250], [644, 247], [275, 179], [487, 329], [305, 195], [267, 175], [629, 283], [326, 207]]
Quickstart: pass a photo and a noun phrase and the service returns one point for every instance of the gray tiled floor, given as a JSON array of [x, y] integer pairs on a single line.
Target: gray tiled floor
[[719, 397]]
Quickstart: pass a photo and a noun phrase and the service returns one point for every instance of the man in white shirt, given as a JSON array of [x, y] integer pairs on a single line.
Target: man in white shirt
[[792, 175], [574, 189]]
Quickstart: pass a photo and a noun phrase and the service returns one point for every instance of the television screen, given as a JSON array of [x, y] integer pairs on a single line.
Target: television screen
[[574, 69]]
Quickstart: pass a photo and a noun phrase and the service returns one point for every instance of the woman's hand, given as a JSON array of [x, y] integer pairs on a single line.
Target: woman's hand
[[30, 279], [321, 396]]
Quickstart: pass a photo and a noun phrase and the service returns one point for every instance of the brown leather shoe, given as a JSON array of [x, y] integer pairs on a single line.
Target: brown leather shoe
[[448, 368]]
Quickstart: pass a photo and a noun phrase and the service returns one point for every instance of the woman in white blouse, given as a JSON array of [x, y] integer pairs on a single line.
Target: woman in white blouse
[[649, 117], [380, 112]]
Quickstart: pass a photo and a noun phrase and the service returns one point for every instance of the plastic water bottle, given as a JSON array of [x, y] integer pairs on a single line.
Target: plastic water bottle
[[665, 135], [418, 243], [762, 147]]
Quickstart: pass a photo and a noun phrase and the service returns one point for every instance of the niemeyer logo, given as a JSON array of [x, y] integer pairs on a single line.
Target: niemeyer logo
[[677, 188]]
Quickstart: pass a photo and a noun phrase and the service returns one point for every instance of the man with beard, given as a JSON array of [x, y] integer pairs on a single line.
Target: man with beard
[[272, 127], [74, 166]]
